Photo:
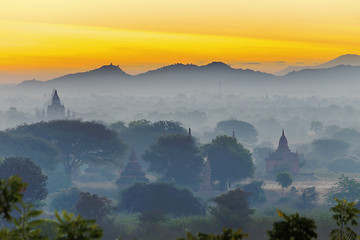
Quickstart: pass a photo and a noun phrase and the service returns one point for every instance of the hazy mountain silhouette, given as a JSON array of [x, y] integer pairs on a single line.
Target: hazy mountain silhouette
[[206, 72], [339, 74], [104, 74], [212, 77], [176, 75], [348, 59]]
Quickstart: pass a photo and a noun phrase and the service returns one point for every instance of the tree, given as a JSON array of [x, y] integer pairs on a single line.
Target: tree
[[229, 160], [93, 206], [327, 149], [68, 226], [26, 228], [293, 227], [347, 135], [257, 195], [71, 227], [227, 234], [345, 188], [308, 197], [40, 151], [260, 154], [29, 172], [79, 142], [345, 164], [316, 126], [143, 133], [11, 193], [232, 208], [345, 214], [175, 157], [284, 179], [246, 132], [65, 199], [330, 130], [142, 197]]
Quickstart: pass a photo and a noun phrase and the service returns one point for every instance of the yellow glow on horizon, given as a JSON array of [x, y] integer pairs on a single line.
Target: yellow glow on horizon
[[45, 39]]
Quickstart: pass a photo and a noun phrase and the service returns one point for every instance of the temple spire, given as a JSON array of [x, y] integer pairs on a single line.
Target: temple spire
[[283, 143], [133, 156], [132, 172]]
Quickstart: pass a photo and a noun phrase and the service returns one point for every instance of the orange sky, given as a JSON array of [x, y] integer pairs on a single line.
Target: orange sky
[[43, 39]]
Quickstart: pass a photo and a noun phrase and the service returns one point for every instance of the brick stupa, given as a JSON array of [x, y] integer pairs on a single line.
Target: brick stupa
[[132, 173]]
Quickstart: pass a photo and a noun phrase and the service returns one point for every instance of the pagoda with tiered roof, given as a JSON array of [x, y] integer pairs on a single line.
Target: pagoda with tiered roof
[[132, 173]]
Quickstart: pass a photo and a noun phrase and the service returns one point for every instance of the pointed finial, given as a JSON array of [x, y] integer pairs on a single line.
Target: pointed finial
[[189, 131], [133, 156], [283, 134]]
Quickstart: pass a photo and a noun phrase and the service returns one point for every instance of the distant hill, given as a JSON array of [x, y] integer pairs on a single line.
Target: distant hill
[[176, 74], [206, 71], [348, 59], [342, 74], [213, 77], [105, 73]]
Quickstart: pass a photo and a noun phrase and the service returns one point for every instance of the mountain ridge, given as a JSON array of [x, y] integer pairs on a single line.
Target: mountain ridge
[[346, 59]]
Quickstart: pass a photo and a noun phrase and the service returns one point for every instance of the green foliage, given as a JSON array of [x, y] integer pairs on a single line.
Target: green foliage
[[348, 135], [165, 197], [118, 126], [344, 213], [152, 216], [316, 126], [330, 130], [257, 195], [308, 197], [175, 157], [143, 133], [246, 132], [293, 227], [93, 206], [68, 226], [345, 188], [25, 228], [29, 172], [79, 142], [328, 149], [232, 208], [345, 164], [72, 227], [227, 234], [259, 154], [11, 193], [284, 179], [40, 151], [229, 160], [66, 199], [57, 180]]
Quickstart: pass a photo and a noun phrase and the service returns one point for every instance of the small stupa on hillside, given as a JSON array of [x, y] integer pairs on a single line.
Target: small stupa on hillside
[[132, 172]]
